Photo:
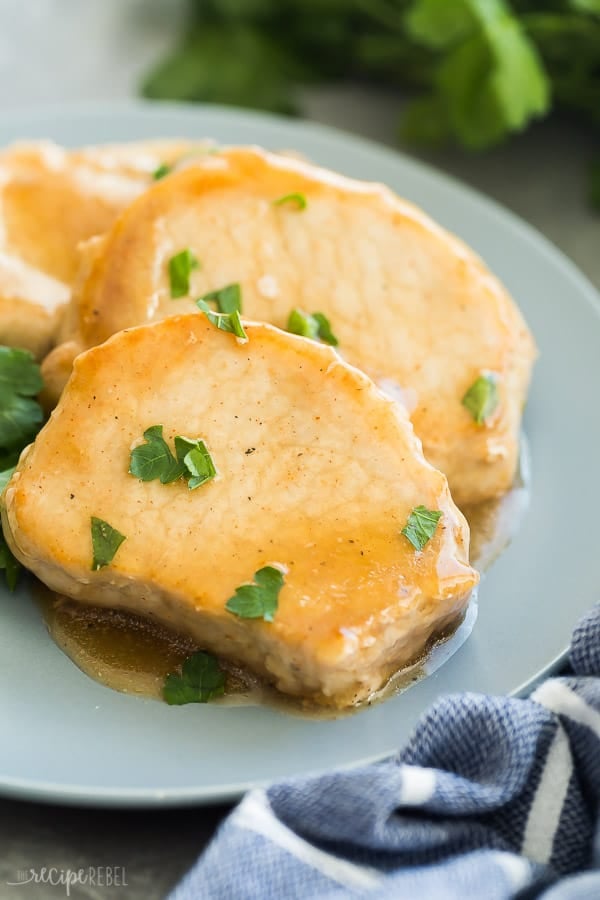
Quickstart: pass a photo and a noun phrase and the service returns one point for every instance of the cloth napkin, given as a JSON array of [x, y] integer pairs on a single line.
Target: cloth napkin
[[492, 798]]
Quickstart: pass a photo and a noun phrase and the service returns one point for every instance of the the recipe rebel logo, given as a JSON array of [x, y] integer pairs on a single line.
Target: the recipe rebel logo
[[91, 876]]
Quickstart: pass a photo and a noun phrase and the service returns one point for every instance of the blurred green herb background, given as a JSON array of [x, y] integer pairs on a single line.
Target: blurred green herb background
[[480, 70]]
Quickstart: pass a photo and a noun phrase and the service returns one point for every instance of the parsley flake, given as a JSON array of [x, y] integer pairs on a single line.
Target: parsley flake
[[315, 326], [421, 526], [258, 600], [20, 414], [106, 540], [197, 460], [180, 268], [228, 299], [325, 332], [230, 322], [161, 171], [482, 398], [201, 680], [298, 199], [154, 459]]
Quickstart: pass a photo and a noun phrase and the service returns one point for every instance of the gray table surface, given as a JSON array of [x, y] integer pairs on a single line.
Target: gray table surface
[[540, 175]]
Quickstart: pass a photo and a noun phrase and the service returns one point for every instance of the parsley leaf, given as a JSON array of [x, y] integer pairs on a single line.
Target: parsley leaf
[[482, 398], [201, 680], [258, 600], [106, 540], [9, 564], [298, 199], [421, 526], [325, 332], [315, 326], [490, 79], [161, 171], [228, 299], [20, 415], [230, 322], [303, 324], [180, 267], [438, 24], [197, 460], [154, 459]]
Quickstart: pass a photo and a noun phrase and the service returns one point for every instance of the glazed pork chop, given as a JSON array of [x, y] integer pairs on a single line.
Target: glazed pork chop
[[50, 200], [318, 474], [410, 305]]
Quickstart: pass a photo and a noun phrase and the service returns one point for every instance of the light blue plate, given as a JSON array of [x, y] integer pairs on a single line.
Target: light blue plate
[[67, 739]]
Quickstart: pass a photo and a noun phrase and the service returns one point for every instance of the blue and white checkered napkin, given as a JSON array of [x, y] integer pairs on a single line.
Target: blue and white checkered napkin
[[492, 798]]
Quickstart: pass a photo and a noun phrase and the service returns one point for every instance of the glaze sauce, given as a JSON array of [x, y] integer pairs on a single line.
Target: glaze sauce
[[133, 654]]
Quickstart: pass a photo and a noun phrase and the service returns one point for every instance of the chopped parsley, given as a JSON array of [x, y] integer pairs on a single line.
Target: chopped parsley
[[106, 540], [258, 600], [315, 326], [325, 332], [298, 199], [154, 459], [482, 398], [196, 459], [421, 526], [20, 415], [180, 268], [161, 171], [201, 680], [228, 299], [230, 322]]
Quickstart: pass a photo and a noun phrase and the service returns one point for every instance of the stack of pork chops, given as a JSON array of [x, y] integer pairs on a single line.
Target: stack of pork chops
[[270, 386]]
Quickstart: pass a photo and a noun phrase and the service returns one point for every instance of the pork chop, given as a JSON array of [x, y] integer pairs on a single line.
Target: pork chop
[[317, 476], [410, 304], [50, 200]]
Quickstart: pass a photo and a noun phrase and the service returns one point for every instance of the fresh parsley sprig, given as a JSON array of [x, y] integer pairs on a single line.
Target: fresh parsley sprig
[[20, 414], [485, 68], [20, 419], [488, 80]]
